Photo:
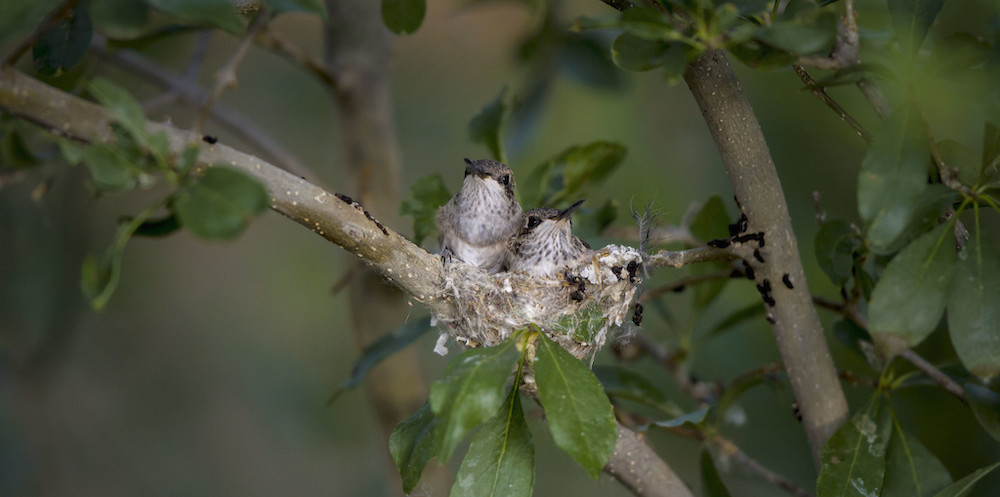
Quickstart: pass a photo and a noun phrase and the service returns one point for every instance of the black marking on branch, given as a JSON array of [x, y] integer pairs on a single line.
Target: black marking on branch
[[637, 314], [352, 203], [211, 140], [756, 255], [720, 243], [748, 270], [787, 281]]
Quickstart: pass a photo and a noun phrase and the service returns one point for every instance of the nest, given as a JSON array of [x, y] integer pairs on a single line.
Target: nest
[[576, 309]]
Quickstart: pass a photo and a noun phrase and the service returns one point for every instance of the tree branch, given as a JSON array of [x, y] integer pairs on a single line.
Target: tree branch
[[755, 183], [640, 470], [820, 93]]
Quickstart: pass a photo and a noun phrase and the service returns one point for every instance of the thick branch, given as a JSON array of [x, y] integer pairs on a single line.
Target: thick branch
[[757, 188], [637, 467]]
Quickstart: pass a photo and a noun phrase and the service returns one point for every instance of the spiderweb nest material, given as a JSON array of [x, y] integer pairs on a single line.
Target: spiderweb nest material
[[576, 309]]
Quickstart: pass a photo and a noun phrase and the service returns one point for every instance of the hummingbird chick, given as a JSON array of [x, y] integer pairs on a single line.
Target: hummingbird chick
[[477, 223], [545, 244]]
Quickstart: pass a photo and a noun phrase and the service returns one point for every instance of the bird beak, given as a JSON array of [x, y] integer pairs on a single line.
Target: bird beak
[[472, 168], [565, 213]]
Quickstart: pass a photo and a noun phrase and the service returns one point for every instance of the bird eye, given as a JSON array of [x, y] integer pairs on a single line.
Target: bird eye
[[534, 221], [505, 180]]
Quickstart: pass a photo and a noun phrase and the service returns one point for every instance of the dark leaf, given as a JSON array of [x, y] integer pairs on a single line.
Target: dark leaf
[[163, 226], [20, 17], [911, 469], [711, 483], [710, 223], [910, 297], [14, 152], [221, 13], [649, 24], [486, 127], [974, 307], [471, 391], [571, 174], [957, 156], [387, 345], [63, 45], [638, 54], [836, 245], [991, 147], [403, 16], [854, 459], [576, 407], [851, 335], [962, 487], [219, 204], [413, 443], [736, 317], [985, 404], [501, 457], [741, 385], [802, 36], [584, 59], [592, 222], [427, 195], [626, 384], [911, 20], [893, 175]]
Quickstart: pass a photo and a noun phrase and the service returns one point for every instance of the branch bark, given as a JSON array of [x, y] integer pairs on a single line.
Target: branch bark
[[388, 255], [757, 188]]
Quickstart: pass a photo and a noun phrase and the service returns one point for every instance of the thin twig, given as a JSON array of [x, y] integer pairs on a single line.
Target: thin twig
[[194, 96], [680, 258], [226, 76], [268, 38], [821, 93], [680, 283], [57, 15], [729, 449], [934, 373]]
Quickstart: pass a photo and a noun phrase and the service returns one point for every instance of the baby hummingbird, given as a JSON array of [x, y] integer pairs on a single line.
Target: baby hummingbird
[[477, 223], [545, 244]]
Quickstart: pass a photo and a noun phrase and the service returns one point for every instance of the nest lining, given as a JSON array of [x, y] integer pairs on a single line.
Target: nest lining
[[576, 309]]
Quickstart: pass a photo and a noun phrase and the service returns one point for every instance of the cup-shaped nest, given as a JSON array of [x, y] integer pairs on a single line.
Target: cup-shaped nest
[[576, 309]]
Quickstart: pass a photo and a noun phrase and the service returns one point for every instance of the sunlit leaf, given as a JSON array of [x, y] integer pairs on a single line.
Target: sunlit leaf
[[220, 203], [501, 457], [911, 469], [577, 409], [471, 391], [974, 307], [413, 443], [486, 127], [387, 345], [63, 45], [910, 297], [912, 20], [403, 16], [985, 404], [221, 13], [962, 487], [711, 483], [427, 195], [854, 459], [893, 175]]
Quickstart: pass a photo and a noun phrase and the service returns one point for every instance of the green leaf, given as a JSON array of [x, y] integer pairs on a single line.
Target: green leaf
[[120, 19], [501, 457], [219, 204], [962, 487], [991, 147], [311, 6], [487, 125], [110, 170], [803, 35], [741, 385], [893, 175], [854, 459], [710, 223], [693, 419], [912, 470], [911, 20], [958, 157], [622, 383], [649, 24], [592, 222], [123, 106], [579, 414], [20, 17], [413, 443], [985, 404], [850, 334], [387, 345], [14, 151], [427, 195], [221, 13], [974, 307], [633, 53], [911, 295], [163, 226], [63, 45], [471, 391], [736, 317], [711, 483], [836, 245], [99, 277], [572, 173], [403, 16], [584, 58]]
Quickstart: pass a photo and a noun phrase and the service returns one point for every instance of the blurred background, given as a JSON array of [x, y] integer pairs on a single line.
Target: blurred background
[[208, 371]]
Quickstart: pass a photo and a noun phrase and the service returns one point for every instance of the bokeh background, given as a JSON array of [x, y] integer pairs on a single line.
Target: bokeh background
[[208, 372]]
